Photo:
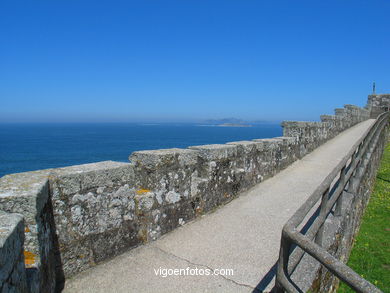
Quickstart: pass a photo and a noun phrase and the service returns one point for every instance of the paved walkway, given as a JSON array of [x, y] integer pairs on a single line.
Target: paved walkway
[[243, 235]]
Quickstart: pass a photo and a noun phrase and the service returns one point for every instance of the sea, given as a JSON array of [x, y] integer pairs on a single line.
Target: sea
[[27, 147]]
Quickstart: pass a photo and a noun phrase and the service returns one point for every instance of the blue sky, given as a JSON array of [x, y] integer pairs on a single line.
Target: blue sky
[[87, 61]]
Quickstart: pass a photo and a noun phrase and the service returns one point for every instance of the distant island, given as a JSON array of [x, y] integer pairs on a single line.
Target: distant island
[[235, 122], [228, 122], [225, 121], [234, 125]]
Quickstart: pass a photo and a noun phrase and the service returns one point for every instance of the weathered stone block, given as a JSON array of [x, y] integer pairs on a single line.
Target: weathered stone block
[[270, 143], [90, 200], [247, 146], [28, 194], [339, 112], [12, 271], [215, 152], [24, 193], [329, 118], [288, 140], [154, 159], [81, 178], [168, 173]]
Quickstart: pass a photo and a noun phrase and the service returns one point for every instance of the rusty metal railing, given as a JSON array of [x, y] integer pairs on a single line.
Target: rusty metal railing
[[346, 176]]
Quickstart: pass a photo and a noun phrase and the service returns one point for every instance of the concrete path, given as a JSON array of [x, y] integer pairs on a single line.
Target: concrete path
[[243, 235]]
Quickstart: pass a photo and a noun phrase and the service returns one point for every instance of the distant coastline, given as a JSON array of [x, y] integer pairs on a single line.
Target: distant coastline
[[228, 122], [234, 125]]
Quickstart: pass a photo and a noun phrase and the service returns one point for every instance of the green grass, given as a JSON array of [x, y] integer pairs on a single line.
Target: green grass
[[370, 255]]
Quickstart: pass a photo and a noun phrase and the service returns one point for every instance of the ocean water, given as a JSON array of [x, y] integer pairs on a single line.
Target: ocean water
[[27, 147]]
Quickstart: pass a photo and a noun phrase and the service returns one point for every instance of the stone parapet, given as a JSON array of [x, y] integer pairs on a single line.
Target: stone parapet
[[12, 271], [312, 134], [377, 104]]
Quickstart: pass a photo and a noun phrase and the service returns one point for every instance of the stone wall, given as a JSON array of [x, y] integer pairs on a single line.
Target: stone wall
[[313, 134], [28, 194], [377, 104], [80, 215], [12, 272], [94, 212]]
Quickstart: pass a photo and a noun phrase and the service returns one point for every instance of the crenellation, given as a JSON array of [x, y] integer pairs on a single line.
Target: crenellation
[[91, 201], [377, 104], [247, 146], [329, 118], [339, 112], [13, 276], [212, 152], [163, 157], [28, 194]]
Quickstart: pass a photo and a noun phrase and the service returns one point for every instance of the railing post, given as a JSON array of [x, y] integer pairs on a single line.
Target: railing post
[[353, 159], [282, 271], [352, 184], [324, 202], [340, 199]]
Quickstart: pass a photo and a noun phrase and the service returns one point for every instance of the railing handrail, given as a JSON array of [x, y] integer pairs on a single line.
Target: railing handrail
[[315, 196], [346, 169]]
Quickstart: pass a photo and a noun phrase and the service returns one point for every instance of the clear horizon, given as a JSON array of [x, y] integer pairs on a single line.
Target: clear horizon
[[137, 61], [205, 121]]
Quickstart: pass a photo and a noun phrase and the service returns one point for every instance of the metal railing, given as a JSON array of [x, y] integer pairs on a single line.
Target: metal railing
[[346, 176]]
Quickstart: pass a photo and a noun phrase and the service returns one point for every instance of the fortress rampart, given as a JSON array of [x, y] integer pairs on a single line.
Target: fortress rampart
[[78, 216], [378, 104]]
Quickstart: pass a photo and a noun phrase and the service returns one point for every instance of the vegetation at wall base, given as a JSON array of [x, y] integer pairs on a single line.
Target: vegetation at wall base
[[370, 255]]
